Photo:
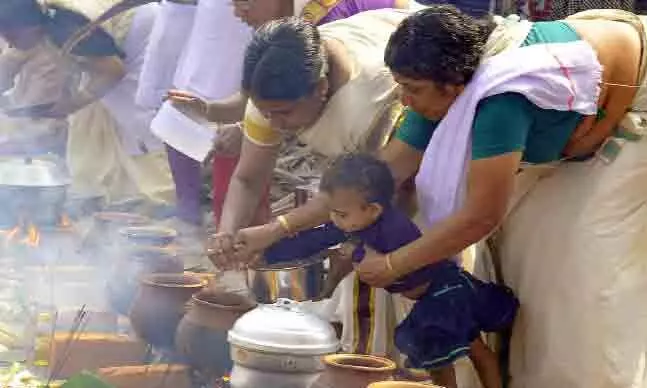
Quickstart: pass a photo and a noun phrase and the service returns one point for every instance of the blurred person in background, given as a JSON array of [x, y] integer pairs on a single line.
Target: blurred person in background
[[29, 78], [110, 146], [539, 10]]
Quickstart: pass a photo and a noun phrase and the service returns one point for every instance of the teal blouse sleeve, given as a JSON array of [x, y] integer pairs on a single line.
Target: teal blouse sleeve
[[415, 130], [501, 125]]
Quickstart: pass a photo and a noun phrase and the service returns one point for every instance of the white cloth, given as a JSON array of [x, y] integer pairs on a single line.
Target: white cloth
[[535, 71], [133, 121], [389, 309], [211, 67], [166, 45]]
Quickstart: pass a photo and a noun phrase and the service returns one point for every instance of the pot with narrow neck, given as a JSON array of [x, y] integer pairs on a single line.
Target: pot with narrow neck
[[279, 345], [355, 370], [124, 279], [201, 337], [160, 305]]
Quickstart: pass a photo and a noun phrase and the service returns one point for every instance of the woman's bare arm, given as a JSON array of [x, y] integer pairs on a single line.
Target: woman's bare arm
[[403, 159], [489, 188], [227, 111], [250, 178], [104, 74]]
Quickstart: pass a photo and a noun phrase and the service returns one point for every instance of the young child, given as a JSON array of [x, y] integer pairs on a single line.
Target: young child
[[452, 307]]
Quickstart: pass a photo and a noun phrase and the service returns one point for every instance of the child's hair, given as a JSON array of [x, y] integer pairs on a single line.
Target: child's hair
[[362, 172]]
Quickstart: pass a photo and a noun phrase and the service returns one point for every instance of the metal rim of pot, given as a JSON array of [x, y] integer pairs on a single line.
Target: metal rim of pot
[[148, 232], [336, 360], [199, 300], [121, 217], [156, 280], [291, 265], [36, 173]]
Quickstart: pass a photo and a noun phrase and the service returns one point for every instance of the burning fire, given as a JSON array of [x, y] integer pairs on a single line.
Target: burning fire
[[65, 222], [32, 238], [30, 234]]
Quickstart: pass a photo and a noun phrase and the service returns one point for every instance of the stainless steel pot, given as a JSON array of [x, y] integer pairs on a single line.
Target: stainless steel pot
[[32, 190], [300, 280], [279, 345]]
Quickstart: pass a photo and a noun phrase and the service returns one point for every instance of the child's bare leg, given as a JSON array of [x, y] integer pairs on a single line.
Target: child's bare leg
[[486, 364], [445, 376]]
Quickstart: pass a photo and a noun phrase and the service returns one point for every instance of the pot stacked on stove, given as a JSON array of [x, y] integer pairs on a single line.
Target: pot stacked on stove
[[32, 191]]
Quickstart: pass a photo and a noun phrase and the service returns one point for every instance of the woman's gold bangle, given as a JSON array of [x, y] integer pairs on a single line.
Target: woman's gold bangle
[[389, 265], [283, 221]]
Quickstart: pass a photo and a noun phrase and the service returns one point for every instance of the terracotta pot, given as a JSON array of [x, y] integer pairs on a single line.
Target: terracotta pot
[[202, 335], [160, 305], [355, 370], [401, 384], [124, 280]]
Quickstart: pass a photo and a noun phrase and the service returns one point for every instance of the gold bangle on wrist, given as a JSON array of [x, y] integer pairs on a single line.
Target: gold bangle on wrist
[[283, 221], [389, 265]]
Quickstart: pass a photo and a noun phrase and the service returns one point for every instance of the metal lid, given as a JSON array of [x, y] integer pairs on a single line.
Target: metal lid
[[284, 328], [29, 172]]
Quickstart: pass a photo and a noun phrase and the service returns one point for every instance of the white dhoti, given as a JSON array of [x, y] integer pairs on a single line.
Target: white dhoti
[[167, 42], [211, 67], [574, 250]]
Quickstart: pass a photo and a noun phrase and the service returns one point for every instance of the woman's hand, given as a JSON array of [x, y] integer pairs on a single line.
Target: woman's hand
[[221, 250], [188, 102], [374, 270]]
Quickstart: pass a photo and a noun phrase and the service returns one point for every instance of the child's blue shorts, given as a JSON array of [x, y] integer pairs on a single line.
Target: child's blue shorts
[[451, 314]]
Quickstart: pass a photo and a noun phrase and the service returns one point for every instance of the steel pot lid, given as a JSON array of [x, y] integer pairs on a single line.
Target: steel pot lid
[[284, 327], [28, 172]]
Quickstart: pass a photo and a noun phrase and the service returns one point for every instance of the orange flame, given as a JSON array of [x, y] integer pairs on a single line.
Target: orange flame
[[65, 221], [33, 236], [10, 234]]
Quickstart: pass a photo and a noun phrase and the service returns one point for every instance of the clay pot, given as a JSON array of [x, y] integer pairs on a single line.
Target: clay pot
[[354, 370], [202, 335], [124, 281], [401, 384], [159, 306]]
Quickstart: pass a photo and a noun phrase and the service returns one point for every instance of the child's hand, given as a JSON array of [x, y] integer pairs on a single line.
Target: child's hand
[[374, 270], [344, 254]]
